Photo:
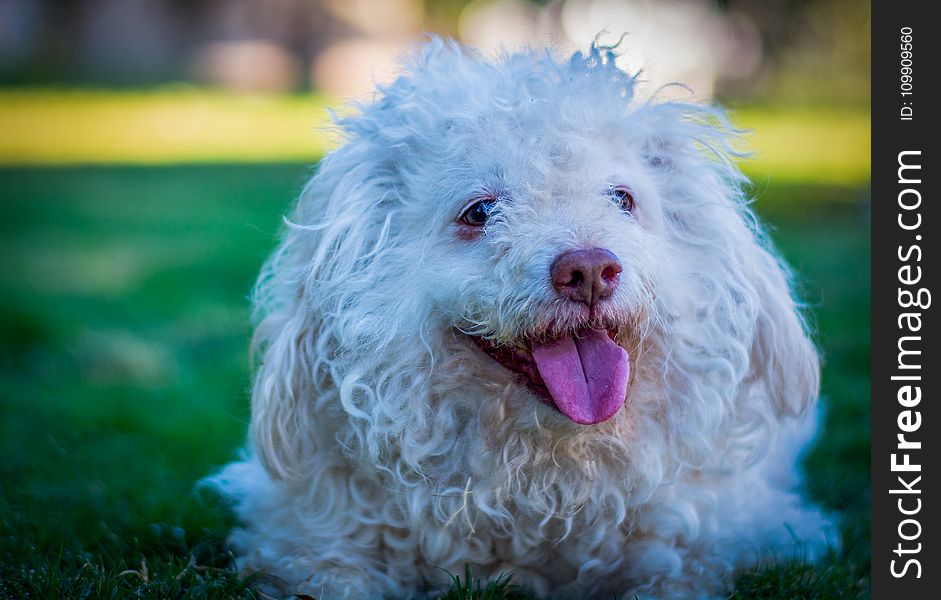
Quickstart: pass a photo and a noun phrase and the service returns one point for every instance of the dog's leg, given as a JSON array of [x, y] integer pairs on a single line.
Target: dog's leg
[[326, 547], [764, 505], [694, 536]]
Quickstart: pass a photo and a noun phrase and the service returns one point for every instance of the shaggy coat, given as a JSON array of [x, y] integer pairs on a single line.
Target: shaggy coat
[[386, 447]]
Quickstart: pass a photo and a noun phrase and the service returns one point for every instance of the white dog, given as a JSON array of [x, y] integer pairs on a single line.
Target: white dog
[[525, 322]]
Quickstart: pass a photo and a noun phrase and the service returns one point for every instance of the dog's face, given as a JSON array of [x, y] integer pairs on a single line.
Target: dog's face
[[528, 243], [533, 205], [546, 242]]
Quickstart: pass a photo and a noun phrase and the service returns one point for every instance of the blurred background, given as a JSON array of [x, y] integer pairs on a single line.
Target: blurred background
[[148, 149], [741, 49], [142, 81]]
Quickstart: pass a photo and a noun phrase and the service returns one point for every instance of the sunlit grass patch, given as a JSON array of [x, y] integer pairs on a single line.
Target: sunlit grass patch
[[186, 124], [171, 125], [801, 144]]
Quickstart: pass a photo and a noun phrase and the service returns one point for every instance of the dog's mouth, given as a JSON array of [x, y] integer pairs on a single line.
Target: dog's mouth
[[584, 373]]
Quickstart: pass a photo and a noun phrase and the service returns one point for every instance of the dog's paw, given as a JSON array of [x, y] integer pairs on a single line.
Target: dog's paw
[[338, 583]]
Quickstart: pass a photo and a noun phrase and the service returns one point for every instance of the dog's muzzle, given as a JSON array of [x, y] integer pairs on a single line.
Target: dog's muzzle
[[583, 372]]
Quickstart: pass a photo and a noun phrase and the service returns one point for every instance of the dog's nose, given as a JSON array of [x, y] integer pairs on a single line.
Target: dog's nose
[[588, 276]]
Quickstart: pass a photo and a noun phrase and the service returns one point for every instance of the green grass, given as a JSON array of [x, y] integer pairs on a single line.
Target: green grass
[[124, 374]]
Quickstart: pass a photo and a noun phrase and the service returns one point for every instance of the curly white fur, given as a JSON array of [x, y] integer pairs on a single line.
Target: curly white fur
[[386, 447]]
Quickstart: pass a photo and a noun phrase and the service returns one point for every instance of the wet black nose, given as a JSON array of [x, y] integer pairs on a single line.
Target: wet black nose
[[587, 276]]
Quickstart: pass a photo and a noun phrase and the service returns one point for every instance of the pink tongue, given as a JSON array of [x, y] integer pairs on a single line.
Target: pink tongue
[[585, 375]]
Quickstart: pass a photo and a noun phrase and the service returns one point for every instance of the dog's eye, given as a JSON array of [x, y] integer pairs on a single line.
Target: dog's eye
[[623, 197], [476, 214]]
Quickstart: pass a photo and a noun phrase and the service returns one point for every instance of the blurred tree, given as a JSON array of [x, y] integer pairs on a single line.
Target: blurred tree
[[811, 50], [816, 50]]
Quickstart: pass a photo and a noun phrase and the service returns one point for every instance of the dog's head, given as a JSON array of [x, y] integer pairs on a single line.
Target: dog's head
[[524, 246]]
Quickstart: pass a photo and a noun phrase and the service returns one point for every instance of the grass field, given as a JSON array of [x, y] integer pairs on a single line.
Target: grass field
[[124, 372]]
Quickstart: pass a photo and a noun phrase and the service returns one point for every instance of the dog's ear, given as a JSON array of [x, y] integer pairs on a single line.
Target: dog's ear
[[748, 294], [285, 341], [325, 269], [285, 345], [783, 357]]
